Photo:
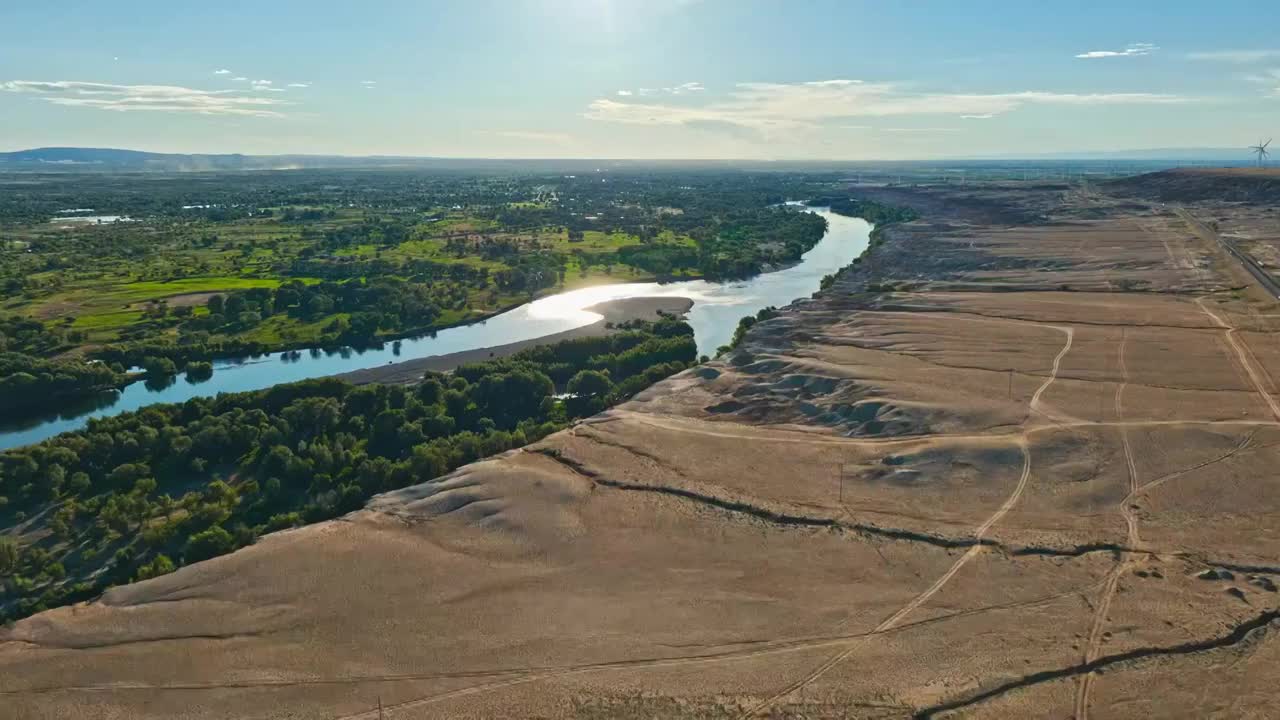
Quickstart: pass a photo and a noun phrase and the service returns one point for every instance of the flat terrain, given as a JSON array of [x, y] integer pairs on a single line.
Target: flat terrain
[[1018, 463]]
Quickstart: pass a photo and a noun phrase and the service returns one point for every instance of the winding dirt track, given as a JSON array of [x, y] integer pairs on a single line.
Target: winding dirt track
[[1093, 646], [978, 533], [1238, 347]]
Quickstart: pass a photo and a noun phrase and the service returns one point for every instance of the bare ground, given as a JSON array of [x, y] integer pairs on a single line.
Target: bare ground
[[1031, 474]]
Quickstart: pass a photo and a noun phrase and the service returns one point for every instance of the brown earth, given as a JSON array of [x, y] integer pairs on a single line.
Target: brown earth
[[1028, 475]]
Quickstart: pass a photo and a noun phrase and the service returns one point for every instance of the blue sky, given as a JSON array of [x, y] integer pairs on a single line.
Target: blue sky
[[638, 79]]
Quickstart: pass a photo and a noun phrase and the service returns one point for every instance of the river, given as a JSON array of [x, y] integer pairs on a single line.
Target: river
[[714, 316]]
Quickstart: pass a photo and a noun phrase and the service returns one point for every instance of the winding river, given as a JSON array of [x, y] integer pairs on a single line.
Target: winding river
[[714, 316]]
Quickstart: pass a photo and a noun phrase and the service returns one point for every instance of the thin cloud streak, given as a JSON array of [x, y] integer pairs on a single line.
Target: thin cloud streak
[[1238, 57], [1134, 50], [145, 98], [774, 107]]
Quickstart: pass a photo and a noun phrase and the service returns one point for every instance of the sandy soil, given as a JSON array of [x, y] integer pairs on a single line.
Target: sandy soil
[[613, 312], [1019, 464]]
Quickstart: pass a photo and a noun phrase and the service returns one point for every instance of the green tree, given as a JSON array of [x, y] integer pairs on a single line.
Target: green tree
[[9, 556], [158, 368], [590, 383], [160, 565], [206, 544]]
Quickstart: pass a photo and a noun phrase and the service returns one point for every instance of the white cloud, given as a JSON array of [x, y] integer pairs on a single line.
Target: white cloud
[[299, 85], [921, 130], [775, 107], [1133, 50], [683, 88], [982, 116], [240, 78], [148, 98], [223, 71], [265, 86], [1239, 57], [535, 136]]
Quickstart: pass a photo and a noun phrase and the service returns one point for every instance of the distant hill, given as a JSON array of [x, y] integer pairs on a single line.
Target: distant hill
[[71, 158], [1254, 185], [109, 159], [1214, 155], [115, 160]]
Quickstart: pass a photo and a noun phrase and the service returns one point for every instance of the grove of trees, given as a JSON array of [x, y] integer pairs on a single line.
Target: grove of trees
[[139, 494]]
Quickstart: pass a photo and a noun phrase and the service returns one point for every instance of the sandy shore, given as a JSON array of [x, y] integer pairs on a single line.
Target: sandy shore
[[614, 311]]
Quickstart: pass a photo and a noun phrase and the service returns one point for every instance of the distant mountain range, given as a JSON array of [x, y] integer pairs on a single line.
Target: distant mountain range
[[72, 158], [109, 159], [1232, 156]]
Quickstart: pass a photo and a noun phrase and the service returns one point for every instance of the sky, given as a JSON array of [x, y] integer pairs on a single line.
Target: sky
[[650, 79]]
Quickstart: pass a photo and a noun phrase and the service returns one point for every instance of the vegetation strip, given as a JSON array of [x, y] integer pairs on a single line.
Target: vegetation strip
[[140, 494]]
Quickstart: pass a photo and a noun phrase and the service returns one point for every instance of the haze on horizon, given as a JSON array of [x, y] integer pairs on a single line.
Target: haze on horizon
[[692, 79]]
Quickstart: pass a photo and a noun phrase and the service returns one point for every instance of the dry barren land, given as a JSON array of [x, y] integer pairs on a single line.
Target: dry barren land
[[1019, 463]]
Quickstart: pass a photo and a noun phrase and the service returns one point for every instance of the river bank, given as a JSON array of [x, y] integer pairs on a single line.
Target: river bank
[[613, 313], [717, 308]]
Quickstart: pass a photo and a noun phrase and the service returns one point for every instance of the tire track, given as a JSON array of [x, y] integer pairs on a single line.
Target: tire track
[[1034, 405], [1094, 645], [1242, 358], [893, 620]]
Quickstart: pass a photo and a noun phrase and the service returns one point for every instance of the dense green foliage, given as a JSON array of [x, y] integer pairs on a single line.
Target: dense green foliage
[[27, 335], [28, 383], [139, 494], [873, 212]]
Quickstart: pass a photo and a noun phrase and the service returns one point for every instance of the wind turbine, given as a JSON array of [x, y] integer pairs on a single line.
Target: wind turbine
[[1261, 151]]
